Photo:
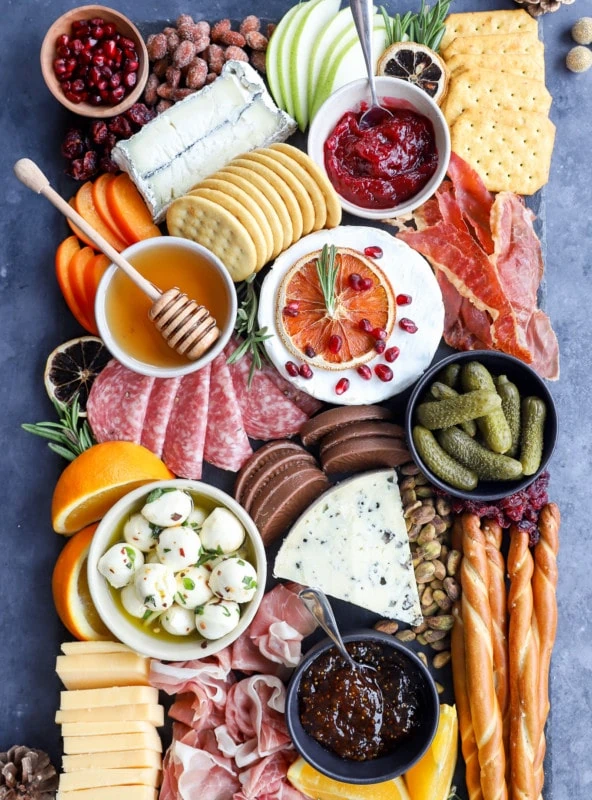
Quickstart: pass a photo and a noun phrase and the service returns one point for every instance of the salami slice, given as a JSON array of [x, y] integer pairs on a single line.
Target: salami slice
[[117, 404], [310, 405], [186, 431], [158, 412], [266, 412], [227, 444]]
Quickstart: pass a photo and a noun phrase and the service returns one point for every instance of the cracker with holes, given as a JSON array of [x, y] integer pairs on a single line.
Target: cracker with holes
[[492, 91], [510, 150], [514, 64], [500, 43], [210, 225], [483, 23]]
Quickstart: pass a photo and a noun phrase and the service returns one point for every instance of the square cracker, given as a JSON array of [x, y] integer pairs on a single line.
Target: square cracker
[[516, 64], [510, 150], [500, 43], [483, 23], [492, 91]]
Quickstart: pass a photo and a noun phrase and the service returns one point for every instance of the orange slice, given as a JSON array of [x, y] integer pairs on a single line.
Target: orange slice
[[71, 594], [97, 479], [313, 784], [431, 777], [312, 326]]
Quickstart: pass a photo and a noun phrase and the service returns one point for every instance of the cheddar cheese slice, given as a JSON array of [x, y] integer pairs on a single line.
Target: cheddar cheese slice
[[96, 671], [147, 712], [112, 696], [93, 778], [110, 793], [112, 742], [93, 648], [126, 759]]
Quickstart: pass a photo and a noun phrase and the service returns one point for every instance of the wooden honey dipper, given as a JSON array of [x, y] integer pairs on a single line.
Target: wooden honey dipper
[[186, 326]]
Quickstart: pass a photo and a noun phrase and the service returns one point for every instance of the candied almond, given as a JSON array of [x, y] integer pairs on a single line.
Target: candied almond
[[258, 61], [163, 105], [211, 77], [214, 55], [165, 91], [256, 40], [271, 26], [152, 84], [184, 54], [173, 76], [250, 23], [160, 67], [172, 42], [196, 74], [235, 54], [187, 31], [156, 44], [202, 42], [219, 28], [203, 27], [184, 19], [233, 38], [181, 94]]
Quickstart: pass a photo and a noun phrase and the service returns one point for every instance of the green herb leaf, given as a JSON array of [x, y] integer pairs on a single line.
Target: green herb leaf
[[147, 614], [156, 493], [199, 610], [188, 584], [149, 600], [425, 27], [327, 272], [246, 327], [69, 437], [156, 531], [249, 583], [131, 554], [226, 611]]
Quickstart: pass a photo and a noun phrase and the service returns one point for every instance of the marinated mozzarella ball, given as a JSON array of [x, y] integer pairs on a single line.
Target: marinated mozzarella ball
[[137, 531], [217, 618], [192, 587], [120, 563], [132, 603], [234, 579], [170, 507], [222, 532], [178, 547], [178, 621], [196, 519], [155, 586]]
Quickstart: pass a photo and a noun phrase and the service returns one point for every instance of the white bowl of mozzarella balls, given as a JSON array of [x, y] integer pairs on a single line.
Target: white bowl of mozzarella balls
[[177, 569]]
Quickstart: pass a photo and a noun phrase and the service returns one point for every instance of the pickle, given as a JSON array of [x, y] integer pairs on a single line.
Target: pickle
[[449, 375], [534, 413], [511, 408], [440, 463], [488, 466], [441, 390], [452, 410], [493, 425]]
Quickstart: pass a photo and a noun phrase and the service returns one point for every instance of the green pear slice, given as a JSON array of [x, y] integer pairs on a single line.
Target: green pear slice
[[285, 52], [272, 59], [329, 40], [304, 37]]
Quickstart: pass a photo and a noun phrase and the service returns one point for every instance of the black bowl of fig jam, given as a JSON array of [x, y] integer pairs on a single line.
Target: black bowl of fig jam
[[362, 726]]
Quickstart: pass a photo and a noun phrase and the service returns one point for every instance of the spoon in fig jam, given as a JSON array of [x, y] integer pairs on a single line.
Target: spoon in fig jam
[[363, 14]]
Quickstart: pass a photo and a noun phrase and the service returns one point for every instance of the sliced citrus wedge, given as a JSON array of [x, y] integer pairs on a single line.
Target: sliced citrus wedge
[[417, 64], [339, 338], [72, 367], [313, 784], [431, 777]]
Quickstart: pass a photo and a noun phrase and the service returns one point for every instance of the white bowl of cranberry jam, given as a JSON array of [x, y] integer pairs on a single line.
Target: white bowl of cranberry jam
[[387, 170]]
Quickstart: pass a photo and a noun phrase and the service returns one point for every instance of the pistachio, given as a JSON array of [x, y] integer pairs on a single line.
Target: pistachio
[[424, 491], [439, 524], [408, 497], [416, 561], [439, 570], [452, 588], [453, 562], [427, 597], [444, 622], [405, 636], [441, 659], [443, 554], [410, 509], [436, 584], [407, 483], [423, 658], [422, 515], [439, 687], [413, 531], [410, 469], [429, 551], [441, 644], [425, 571], [421, 628], [386, 626], [442, 599], [430, 610], [420, 479], [443, 506], [434, 636], [427, 534], [421, 639]]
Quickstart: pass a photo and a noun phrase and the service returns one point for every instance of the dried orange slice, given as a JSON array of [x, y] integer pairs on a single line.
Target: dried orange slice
[[417, 64], [343, 338]]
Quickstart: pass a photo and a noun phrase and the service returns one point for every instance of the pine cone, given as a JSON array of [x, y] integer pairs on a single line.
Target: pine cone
[[537, 7], [27, 774]]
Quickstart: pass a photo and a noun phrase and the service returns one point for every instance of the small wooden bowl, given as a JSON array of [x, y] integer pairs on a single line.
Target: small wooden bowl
[[124, 27]]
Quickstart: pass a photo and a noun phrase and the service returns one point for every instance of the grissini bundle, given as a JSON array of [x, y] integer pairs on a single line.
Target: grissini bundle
[[476, 614], [524, 670], [544, 585]]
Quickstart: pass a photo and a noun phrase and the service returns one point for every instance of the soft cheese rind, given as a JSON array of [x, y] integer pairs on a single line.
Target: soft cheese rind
[[201, 134], [352, 543]]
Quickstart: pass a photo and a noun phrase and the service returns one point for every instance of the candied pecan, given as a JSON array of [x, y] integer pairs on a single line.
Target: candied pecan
[[163, 105], [235, 54], [181, 94], [139, 114], [184, 54], [232, 38], [196, 74], [256, 40], [211, 77], [173, 76], [160, 67], [156, 44], [250, 23], [258, 61], [214, 55], [73, 145], [173, 40], [219, 28], [165, 91], [271, 26], [184, 19], [152, 84]]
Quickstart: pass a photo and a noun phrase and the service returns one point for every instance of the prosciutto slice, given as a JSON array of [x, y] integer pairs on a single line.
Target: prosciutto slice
[[267, 780], [474, 200]]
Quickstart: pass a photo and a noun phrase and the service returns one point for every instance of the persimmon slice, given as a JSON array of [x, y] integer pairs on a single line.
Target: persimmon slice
[[84, 204], [129, 210], [65, 253], [99, 196]]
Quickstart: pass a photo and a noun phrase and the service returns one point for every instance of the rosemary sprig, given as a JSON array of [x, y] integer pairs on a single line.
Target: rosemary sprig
[[246, 326], [426, 27], [327, 272], [70, 436]]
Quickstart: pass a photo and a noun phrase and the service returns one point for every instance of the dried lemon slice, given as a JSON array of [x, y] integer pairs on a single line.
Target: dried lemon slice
[[72, 367], [417, 64]]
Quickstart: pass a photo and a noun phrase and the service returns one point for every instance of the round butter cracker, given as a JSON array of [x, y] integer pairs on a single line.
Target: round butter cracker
[[310, 186]]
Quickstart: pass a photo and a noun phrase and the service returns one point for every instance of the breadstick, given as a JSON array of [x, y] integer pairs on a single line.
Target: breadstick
[[461, 697], [544, 584], [476, 614], [524, 670]]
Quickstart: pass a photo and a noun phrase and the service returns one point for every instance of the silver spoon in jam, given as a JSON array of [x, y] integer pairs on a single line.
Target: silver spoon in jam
[[363, 14]]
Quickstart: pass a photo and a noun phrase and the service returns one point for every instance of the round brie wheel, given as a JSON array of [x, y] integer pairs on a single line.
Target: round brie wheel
[[409, 274]]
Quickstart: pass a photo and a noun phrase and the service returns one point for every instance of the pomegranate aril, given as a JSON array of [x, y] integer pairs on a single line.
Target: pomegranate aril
[[63, 40], [95, 99], [127, 43], [291, 369], [59, 66], [366, 283], [403, 299], [85, 57], [365, 325], [77, 46], [72, 97], [380, 346], [373, 252], [94, 76], [289, 312], [78, 86], [392, 354], [102, 84], [81, 27], [117, 95], [66, 85], [309, 351], [305, 371], [97, 21], [383, 372], [408, 325], [335, 343], [115, 80], [99, 59], [109, 48], [130, 79], [110, 29], [341, 386], [130, 66], [379, 333], [354, 281], [63, 51], [105, 95], [98, 31], [365, 372]]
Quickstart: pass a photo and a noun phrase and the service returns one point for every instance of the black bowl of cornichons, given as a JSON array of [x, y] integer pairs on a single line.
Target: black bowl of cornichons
[[362, 725], [481, 425]]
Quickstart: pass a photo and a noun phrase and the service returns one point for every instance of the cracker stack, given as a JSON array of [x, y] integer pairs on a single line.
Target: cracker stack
[[497, 105]]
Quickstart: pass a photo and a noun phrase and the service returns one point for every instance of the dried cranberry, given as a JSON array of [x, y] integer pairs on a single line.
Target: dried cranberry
[[364, 371], [291, 369], [335, 343], [107, 165], [365, 325], [380, 346], [82, 169], [140, 114], [120, 126], [403, 299], [99, 131], [353, 280], [305, 371], [383, 372], [341, 386], [73, 145], [379, 333], [408, 325], [309, 351], [392, 354], [373, 252]]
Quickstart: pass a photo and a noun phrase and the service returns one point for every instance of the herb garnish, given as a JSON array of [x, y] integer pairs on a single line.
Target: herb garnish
[[156, 493], [188, 584], [69, 437], [246, 326], [327, 272], [426, 27]]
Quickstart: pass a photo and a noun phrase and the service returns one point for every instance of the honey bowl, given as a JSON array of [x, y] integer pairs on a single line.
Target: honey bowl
[[121, 309]]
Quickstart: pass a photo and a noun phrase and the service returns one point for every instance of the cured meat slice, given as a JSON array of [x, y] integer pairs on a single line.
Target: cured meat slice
[[465, 327], [117, 404], [267, 780], [543, 343], [227, 444], [305, 402], [158, 412], [473, 198], [266, 412], [186, 431]]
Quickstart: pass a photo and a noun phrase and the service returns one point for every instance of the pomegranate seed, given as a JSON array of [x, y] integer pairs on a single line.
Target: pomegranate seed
[[80, 27], [392, 354], [115, 80], [291, 369], [105, 95], [77, 46], [130, 66], [408, 325], [117, 58], [95, 100], [110, 29], [403, 299], [63, 51], [365, 325], [341, 386], [78, 86], [305, 371], [130, 79], [309, 351], [127, 43], [63, 40], [59, 66], [383, 372], [354, 281], [82, 70], [290, 312], [73, 98], [85, 57], [365, 372], [71, 64], [130, 54], [99, 59], [106, 72], [117, 95], [109, 48], [373, 252], [102, 84], [98, 31], [66, 85], [97, 21], [94, 76], [366, 283], [379, 333], [380, 346], [335, 343]]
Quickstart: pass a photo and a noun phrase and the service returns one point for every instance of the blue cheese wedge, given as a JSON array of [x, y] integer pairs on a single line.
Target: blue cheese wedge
[[200, 135], [352, 543]]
